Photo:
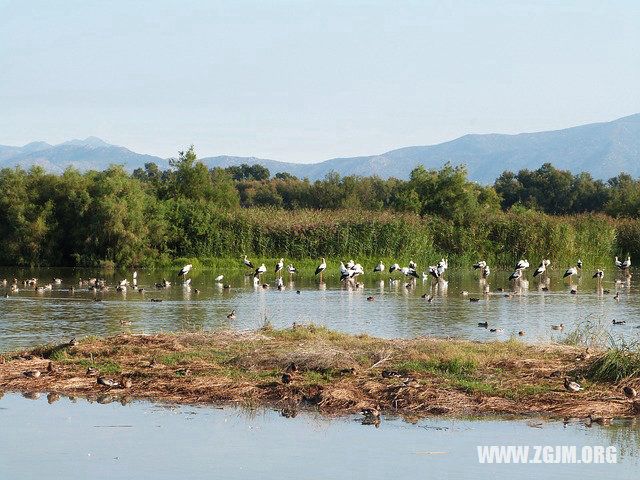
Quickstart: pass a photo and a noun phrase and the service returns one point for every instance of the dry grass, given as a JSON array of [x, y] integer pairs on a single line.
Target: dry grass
[[336, 373]]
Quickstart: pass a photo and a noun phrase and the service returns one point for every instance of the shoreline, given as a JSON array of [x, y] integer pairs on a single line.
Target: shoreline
[[312, 368]]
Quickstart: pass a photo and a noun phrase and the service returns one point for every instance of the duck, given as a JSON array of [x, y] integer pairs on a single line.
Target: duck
[[32, 373], [286, 378], [522, 333], [92, 371], [557, 327], [483, 324], [390, 374], [629, 392], [572, 386], [124, 323], [183, 371], [371, 299], [496, 330], [232, 315], [599, 420], [107, 382], [616, 297], [618, 322]]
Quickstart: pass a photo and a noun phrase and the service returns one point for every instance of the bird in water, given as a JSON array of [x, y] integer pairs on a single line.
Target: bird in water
[[557, 327], [247, 262], [232, 315], [218, 278], [184, 270], [379, 267]]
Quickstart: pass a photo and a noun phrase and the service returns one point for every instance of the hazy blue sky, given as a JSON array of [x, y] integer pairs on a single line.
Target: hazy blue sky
[[306, 81]]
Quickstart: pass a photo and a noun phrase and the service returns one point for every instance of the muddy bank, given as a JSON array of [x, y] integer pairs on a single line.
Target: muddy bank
[[312, 367]]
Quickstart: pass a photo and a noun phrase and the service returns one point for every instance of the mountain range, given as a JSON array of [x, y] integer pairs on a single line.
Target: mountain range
[[602, 149]]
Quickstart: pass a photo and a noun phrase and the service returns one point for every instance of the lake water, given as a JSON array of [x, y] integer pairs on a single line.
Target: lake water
[[145, 440], [28, 317]]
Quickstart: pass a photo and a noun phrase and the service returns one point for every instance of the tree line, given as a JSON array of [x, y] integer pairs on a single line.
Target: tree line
[[153, 215]]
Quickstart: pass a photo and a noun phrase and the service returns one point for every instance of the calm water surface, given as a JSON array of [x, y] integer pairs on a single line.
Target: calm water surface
[[28, 317], [144, 440]]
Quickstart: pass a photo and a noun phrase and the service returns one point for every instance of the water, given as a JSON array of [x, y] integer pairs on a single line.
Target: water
[[145, 440], [28, 317]]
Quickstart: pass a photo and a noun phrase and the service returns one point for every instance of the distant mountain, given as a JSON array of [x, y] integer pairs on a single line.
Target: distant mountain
[[88, 154], [602, 149]]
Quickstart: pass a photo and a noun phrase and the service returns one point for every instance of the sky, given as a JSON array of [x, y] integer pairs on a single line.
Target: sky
[[305, 81]]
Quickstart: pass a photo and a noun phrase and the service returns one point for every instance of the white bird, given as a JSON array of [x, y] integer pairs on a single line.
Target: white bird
[[572, 386], [409, 271], [540, 270], [58, 281], [291, 269], [394, 267], [323, 266], [413, 264], [184, 270], [480, 264], [516, 275], [441, 269], [135, 274], [579, 264], [247, 262], [379, 268], [260, 270], [570, 272], [349, 264], [618, 263], [599, 274], [344, 271], [280, 265], [522, 264], [627, 263], [486, 271], [123, 282], [433, 271], [219, 278], [356, 270], [443, 264]]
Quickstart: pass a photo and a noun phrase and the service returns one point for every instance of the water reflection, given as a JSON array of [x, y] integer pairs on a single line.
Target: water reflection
[[104, 439], [422, 307]]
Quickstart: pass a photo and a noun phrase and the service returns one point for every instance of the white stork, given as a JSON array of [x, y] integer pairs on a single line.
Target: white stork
[[480, 264], [219, 278], [413, 265], [522, 264], [599, 275], [486, 271], [321, 268], [394, 267], [379, 268], [515, 276], [184, 270], [579, 264], [259, 271], [541, 269], [247, 262], [280, 265], [570, 273], [344, 272]]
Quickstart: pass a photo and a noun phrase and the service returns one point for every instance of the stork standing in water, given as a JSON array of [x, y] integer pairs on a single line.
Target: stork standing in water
[[321, 268], [291, 269], [570, 273], [280, 266], [259, 271], [135, 278], [541, 270], [408, 271], [599, 275], [480, 264], [344, 272], [413, 265], [522, 265], [516, 276], [246, 261], [379, 268], [486, 271], [394, 267], [183, 272]]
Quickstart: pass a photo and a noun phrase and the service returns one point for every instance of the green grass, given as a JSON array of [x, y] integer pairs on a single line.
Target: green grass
[[453, 366]]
